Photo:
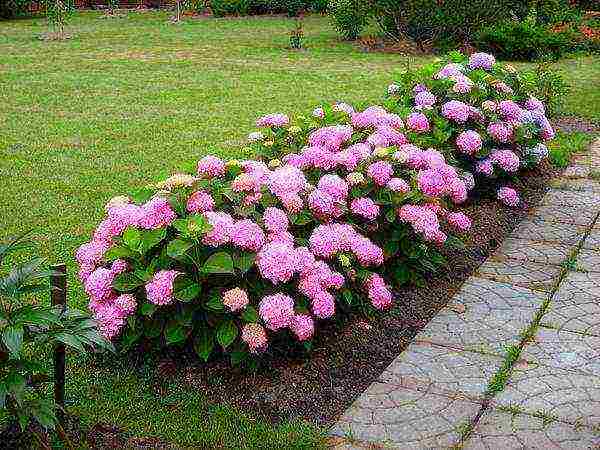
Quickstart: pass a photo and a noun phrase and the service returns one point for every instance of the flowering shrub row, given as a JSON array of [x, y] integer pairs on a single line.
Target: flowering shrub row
[[349, 205]]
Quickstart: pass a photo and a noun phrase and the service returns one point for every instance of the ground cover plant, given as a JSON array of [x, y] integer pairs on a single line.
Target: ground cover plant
[[94, 133]]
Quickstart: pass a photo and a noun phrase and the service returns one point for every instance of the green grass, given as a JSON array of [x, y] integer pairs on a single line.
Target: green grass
[[566, 145], [129, 100]]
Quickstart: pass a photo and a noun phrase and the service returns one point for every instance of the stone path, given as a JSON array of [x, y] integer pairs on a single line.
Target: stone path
[[519, 366]]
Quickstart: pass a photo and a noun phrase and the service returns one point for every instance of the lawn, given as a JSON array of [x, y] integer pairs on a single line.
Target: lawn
[[128, 100]]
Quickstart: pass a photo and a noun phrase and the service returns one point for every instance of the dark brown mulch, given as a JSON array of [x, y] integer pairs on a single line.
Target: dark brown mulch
[[346, 359]]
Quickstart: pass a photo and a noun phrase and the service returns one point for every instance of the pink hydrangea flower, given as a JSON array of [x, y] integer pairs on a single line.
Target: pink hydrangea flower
[[247, 235], [98, 285], [417, 122], [381, 297], [210, 167], [398, 185], [200, 202], [423, 220], [276, 311], [159, 289], [126, 303], [277, 262], [485, 167], [510, 110], [222, 227], [506, 159], [255, 336], [272, 120], [481, 61], [157, 213], [334, 186], [500, 132], [508, 196], [275, 220], [457, 111], [235, 299], [424, 100], [469, 142], [323, 305], [380, 172], [331, 137], [431, 183], [364, 207], [119, 266], [110, 320], [320, 203], [286, 181], [91, 253], [459, 220], [449, 70], [302, 326]]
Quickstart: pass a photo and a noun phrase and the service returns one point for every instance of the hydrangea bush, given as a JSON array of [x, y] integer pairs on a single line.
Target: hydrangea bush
[[344, 207]]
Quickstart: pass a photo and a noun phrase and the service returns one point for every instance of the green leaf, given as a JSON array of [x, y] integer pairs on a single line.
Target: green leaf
[[204, 344], [244, 261], [218, 263], [12, 338], [250, 314], [198, 224], [147, 309], [15, 385], [177, 247], [142, 195], [151, 238], [126, 282], [132, 238], [152, 328], [118, 252], [215, 302], [175, 333], [238, 356], [130, 337], [185, 289], [71, 340], [226, 333], [348, 296]]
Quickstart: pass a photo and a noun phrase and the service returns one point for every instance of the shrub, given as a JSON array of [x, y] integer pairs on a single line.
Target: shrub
[[345, 208], [524, 41], [320, 6], [9, 9], [27, 329], [221, 8], [349, 17], [433, 20]]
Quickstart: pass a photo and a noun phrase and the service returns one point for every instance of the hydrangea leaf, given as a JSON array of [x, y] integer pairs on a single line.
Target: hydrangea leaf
[[177, 247], [204, 344], [175, 332], [151, 238], [119, 252], [132, 238], [127, 282], [186, 289], [245, 261], [12, 338], [250, 314], [218, 263], [226, 333]]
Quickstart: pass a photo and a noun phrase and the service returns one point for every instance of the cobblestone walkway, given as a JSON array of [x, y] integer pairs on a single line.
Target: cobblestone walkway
[[519, 366]]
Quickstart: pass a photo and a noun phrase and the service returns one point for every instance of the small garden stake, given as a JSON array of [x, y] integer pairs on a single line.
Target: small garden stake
[[59, 298]]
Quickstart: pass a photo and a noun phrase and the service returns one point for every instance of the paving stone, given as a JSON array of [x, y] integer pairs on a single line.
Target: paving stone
[[572, 215], [419, 420], [565, 349], [532, 275], [442, 370], [560, 197], [577, 171], [495, 314], [534, 251], [575, 306], [578, 184], [569, 395], [588, 260], [588, 159], [544, 231], [592, 241], [502, 430]]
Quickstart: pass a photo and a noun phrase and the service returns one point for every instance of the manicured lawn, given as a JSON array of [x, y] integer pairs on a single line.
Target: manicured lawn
[[128, 100]]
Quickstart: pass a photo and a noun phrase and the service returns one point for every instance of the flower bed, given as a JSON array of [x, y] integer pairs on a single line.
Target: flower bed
[[351, 205]]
